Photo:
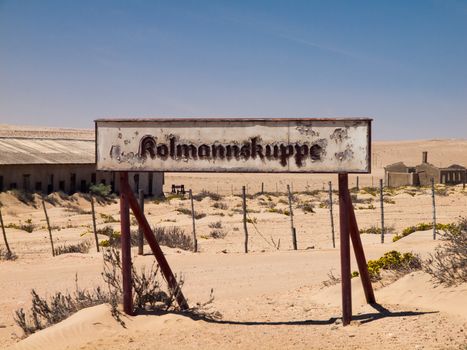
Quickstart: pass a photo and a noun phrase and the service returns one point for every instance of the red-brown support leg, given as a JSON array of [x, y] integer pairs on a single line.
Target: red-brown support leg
[[360, 255], [344, 211], [156, 249], [126, 245]]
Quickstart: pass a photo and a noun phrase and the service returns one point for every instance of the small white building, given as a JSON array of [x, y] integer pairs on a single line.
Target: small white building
[[50, 159]]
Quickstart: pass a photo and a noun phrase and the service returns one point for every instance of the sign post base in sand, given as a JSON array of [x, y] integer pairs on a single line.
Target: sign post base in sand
[[349, 229], [128, 200], [287, 145]]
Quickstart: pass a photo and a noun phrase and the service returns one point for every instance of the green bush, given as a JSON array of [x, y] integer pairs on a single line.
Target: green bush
[[395, 261], [421, 227], [100, 190]]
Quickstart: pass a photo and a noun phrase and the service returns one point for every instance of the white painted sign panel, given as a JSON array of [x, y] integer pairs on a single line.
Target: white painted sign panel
[[234, 145]]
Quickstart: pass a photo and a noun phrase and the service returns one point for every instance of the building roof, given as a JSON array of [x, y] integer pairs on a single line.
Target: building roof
[[29, 145], [455, 167], [394, 165]]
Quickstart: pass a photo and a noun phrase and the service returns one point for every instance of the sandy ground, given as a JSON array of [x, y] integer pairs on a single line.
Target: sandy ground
[[268, 298]]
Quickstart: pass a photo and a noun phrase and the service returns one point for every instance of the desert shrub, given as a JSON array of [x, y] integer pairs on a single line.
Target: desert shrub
[[389, 200], [448, 265], [217, 231], [46, 312], [370, 190], [377, 230], [27, 226], [325, 204], [173, 237], [332, 280], [279, 211], [114, 237], [312, 193], [198, 215], [420, 227], [355, 274], [307, 207], [410, 193], [371, 207], [81, 247], [357, 200], [216, 224], [220, 205], [7, 254], [185, 211], [283, 201], [76, 209], [402, 263], [148, 295], [106, 230], [207, 194], [100, 190], [252, 220], [107, 218], [441, 191]]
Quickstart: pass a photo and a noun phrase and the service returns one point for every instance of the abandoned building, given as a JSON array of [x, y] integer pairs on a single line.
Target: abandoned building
[[399, 174], [48, 160]]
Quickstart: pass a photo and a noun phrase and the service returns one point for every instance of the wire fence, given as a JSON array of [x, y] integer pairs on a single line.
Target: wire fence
[[268, 217]]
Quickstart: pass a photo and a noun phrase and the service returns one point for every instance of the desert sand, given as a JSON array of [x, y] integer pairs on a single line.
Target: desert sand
[[269, 298]]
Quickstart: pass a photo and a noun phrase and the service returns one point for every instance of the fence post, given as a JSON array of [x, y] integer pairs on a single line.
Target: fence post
[[245, 228], [358, 188], [125, 241], [434, 206], [48, 226], [94, 228], [195, 241], [292, 228], [231, 188], [4, 233], [276, 188], [140, 229], [262, 187], [381, 199], [344, 214], [332, 216]]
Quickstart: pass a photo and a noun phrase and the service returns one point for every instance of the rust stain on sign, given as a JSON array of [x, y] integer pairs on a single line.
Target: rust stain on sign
[[234, 145]]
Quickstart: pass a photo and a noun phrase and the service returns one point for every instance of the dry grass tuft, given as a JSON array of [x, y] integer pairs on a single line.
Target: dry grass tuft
[[82, 247], [448, 265], [173, 237]]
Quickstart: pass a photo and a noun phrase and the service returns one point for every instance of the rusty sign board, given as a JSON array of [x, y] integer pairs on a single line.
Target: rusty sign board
[[301, 145]]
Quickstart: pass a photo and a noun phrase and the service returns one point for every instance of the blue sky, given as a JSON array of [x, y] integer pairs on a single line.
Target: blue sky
[[403, 63]]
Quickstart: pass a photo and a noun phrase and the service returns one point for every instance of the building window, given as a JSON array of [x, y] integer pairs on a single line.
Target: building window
[[61, 185], [72, 183], [13, 186], [83, 187], [27, 182], [50, 186], [38, 187], [1, 183], [93, 178]]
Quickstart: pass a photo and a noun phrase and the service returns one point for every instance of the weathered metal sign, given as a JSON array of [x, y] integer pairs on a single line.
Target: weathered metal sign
[[234, 145]]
